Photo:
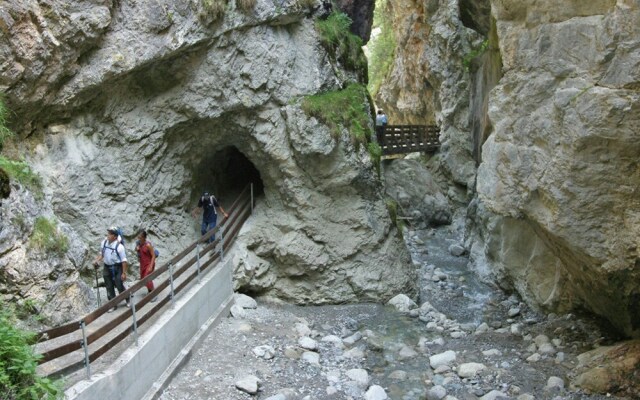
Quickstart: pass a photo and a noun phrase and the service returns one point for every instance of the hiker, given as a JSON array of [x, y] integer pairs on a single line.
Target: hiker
[[209, 205], [381, 123], [114, 259], [147, 258]]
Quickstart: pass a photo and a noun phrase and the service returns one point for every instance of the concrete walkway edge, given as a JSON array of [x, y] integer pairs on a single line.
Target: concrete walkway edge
[[143, 371]]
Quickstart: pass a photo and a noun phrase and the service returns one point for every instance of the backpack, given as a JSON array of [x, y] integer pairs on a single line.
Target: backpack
[[211, 199], [120, 235], [155, 250], [114, 249]]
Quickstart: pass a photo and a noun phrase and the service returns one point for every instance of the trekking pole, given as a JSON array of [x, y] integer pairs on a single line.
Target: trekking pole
[[97, 287]]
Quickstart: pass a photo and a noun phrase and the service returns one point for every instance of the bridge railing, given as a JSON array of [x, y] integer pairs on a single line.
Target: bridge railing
[[401, 139], [69, 339]]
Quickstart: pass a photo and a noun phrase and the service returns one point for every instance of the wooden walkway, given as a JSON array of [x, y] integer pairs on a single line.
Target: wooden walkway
[[402, 139]]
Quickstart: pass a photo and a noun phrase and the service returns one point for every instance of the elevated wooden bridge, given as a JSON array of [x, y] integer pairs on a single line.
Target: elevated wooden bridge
[[402, 139]]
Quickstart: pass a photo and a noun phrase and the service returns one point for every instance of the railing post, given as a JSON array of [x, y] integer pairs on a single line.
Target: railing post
[[251, 197], [173, 301], [222, 242], [133, 315], [198, 259], [85, 345]]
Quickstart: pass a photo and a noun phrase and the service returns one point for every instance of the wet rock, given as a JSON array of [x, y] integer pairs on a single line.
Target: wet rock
[[456, 250], [482, 328], [546, 348], [535, 357], [406, 353], [495, 395], [399, 375], [436, 393], [351, 340], [445, 358], [336, 341], [376, 392], [354, 354], [492, 353]]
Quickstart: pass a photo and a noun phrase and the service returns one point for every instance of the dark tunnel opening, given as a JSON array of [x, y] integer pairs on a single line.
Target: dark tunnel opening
[[226, 173]]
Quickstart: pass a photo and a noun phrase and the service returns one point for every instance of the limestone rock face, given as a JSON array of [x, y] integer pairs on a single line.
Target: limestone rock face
[[428, 82], [164, 106], [559, 176], [411, 185]]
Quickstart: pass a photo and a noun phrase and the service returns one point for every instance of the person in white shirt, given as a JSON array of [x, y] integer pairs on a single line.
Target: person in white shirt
[[112, 255]]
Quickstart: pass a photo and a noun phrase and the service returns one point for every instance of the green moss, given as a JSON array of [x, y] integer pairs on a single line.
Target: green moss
[[348, 108], [382, 47], [375, 151], [21, 172], [5, 132], [46, 236], [344, 46], [392, 208], [246, 5], [213, 9], [466, 61], [18, 362]]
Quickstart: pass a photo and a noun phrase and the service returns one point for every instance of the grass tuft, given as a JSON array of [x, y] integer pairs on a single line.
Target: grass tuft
[[21, 172], [213, 9], [347, 108], [46, 236], [5, 132], [336, 37]]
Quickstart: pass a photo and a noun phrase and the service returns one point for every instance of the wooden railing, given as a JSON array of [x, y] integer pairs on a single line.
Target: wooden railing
[[401, 139], [68, 339]]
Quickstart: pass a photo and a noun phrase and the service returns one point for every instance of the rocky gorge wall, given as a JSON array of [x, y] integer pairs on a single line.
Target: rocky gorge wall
[[543, 95], [129, 110]]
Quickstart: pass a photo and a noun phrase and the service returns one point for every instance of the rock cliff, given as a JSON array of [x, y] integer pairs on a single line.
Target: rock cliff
[[132, 109], [544, 97]]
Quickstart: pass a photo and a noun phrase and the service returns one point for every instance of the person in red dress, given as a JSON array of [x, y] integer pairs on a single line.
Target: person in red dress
[[147, 257]]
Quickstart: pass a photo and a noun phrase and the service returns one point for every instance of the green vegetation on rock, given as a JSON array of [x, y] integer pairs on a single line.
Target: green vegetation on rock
[[382, 47], [392, 207], [344, 46], [213, 9], [18, 362], [5, 132], [246, 5], [347, 108], [21, 172], [375, 151], [46, 236]]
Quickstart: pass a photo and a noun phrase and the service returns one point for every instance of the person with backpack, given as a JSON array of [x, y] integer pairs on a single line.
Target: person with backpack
[[114, 258], [147, 257], [381, 123], [209, 205]]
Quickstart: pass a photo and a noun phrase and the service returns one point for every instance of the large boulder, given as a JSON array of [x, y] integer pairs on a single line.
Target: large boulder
[[559, 175]]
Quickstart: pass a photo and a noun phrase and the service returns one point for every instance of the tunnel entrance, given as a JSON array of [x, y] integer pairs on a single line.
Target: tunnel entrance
[[226, 173]]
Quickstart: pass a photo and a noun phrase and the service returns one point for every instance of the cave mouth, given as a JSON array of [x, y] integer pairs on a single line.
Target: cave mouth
[[225, 174]]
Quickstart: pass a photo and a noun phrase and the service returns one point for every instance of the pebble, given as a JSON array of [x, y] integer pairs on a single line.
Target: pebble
[[266, 352], [399, 375], [351, 340], [513, 312], [535, 357], [492, 353]]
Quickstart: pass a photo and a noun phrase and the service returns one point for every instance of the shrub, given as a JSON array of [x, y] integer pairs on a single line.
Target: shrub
[[21, 172], [46, 236], [18, 362], [336, 37], [213, 9], [382, 47], [466, 61], [5, 132], [246, 5], [347, 107]]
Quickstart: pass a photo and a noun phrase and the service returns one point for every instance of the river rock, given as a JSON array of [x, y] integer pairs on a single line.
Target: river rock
[[307, 343], [436, 393], [248, 384], [469, 370], [267, 352], [376, 392], [244, 301], [402, 303], [445, 358], [311, 357], [359, 376]]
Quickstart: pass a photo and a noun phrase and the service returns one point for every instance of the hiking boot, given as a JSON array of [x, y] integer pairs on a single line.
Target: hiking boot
[[128, 304], [154, 299], [112, 309]]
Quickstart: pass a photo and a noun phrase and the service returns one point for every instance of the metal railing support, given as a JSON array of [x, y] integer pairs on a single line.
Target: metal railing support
[[173, 301], [251, 197], [85, 345], [133, 315], [222, 242], [198, 259]]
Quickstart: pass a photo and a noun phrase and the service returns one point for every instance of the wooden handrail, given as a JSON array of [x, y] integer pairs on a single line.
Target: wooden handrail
[[238, 213]]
